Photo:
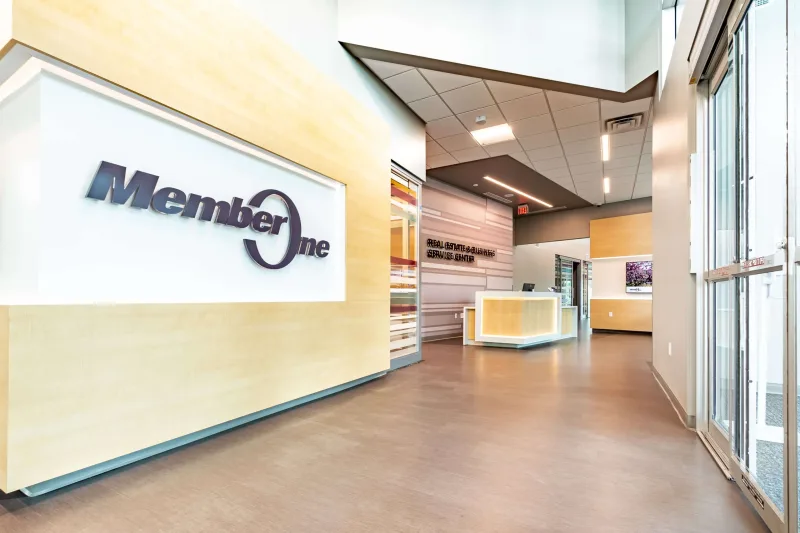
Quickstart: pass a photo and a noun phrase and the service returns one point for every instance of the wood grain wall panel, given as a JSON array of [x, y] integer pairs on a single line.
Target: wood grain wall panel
[[628, 315], [4, 391], [130, 376], [621, 236], [450, 214], [470, 324]]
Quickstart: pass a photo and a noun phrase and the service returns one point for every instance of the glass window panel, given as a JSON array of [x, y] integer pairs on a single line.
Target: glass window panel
[[724, 175], [723, 352], [403, 322]]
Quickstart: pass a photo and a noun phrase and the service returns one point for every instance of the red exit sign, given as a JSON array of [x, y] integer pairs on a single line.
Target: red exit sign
[[522, 209]]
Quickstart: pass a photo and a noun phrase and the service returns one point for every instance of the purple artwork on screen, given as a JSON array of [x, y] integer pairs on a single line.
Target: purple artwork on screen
[[639, 274]]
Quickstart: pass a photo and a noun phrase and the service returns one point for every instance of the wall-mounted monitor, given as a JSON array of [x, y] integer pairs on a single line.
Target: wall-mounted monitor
[[639, 276]]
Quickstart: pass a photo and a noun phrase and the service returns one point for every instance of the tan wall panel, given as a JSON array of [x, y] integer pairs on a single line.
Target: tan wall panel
[[518, 317], [470, 324], [4, 389], [629, 315], [567, 315], [621, 236], [90, 383]]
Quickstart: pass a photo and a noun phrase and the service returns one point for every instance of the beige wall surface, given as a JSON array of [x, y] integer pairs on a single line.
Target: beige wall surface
[[129, 376], [573, 223], [450, 214], [673, 290]]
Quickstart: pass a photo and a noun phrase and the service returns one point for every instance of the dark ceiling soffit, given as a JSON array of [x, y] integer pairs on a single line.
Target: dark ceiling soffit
[[645, 89]]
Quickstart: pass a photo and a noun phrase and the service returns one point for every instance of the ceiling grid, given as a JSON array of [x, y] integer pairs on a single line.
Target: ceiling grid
[[556, 134]]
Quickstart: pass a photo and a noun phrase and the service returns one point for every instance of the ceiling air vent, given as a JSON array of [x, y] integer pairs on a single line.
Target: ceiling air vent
[[494, 196], [626, 123], [761, 3]]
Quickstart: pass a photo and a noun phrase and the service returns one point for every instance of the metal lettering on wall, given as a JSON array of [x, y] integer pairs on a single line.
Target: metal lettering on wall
[[110, 178], [453, 251]]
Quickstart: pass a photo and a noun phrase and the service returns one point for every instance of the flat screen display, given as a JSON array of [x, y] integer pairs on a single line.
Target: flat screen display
[[639, 276]]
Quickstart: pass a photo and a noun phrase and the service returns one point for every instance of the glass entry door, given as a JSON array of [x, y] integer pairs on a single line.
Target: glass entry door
[[747, 283]]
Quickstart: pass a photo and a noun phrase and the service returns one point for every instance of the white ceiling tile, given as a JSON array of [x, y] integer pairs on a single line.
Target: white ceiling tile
[[622, 162], [432, 148], [619, 195], [503, 148], [609, 109], [503, 92], [629, 150], [430, 108], [647, 159], [545, 153], [467, 98], [440, 160], [558, 174], [548, 164], [462, 141], [588, 186], [624, 181], [620, 172], [649, 136], [529, 106], [645, 167], [428, 137], [532, 126], [522, 157], [581, 147], [587, 168], [383, 70], [624, 139], [410, 86], [543, 140], [470, 154], [595, 197], [575, 116], [444, 127], [644, 177], [642, 189], [594, 177], [647, 148], [579, 133], [584, 158], [493, 118], [444, 81], [560, 101]]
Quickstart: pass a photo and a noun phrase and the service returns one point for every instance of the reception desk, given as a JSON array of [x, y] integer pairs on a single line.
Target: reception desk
[[518, 319]]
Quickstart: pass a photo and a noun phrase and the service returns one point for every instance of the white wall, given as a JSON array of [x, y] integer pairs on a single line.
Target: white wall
[[576, 41], [310, 26], [673, 286], [57, 246], [642, 22], [535, 263], [608, 279]]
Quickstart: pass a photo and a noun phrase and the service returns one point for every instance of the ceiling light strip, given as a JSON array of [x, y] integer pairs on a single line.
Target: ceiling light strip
[[606, 185], [512, 189], [493, 135], [606, 150]]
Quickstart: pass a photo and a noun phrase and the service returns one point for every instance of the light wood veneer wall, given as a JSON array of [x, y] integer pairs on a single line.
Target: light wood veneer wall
[[630, 235], [85, 384]]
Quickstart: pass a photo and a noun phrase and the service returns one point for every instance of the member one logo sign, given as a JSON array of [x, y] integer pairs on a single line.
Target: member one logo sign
[[172, 201]]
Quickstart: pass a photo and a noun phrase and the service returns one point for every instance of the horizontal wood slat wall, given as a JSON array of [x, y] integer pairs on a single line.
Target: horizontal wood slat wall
[[621, 236], [628, 315], [89, 383]]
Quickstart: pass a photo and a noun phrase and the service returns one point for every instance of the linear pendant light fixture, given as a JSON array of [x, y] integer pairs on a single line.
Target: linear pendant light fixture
[[512, 189], [493, 135], [605, 147]]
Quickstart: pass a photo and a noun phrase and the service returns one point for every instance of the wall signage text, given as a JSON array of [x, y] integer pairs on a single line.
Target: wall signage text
[[110, 178], [453, 251]]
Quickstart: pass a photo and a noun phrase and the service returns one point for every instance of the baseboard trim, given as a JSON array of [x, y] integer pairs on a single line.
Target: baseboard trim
[[68, 479], [689, 421], [405, 360]]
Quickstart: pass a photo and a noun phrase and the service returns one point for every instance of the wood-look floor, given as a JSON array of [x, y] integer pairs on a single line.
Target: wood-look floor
[[570, 437]]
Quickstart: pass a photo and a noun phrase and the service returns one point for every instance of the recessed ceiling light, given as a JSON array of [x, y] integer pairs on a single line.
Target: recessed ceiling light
[[606, 185], [605, 147], [474, 184], [509, 195], [500, 183], [495, 134]]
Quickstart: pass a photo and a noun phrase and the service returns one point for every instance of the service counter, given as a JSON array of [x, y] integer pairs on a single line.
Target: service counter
[[512, 319]]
